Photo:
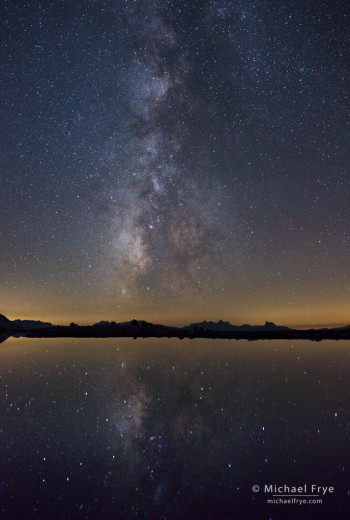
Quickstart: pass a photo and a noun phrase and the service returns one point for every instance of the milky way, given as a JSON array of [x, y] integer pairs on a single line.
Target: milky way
[[175, 159], [165, 207]]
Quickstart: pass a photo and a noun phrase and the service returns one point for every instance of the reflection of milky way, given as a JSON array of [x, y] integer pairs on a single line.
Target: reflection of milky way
[[162, 416], [163, 429]]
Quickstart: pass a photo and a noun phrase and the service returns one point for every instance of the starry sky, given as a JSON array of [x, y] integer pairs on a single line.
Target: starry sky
[[175, 161]]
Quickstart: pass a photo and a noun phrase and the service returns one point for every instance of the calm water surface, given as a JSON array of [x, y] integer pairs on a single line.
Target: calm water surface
[[168, 429]]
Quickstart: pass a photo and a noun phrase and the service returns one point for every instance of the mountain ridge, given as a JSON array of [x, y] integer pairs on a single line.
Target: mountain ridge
[[220, 326], [22, 325], [227, 326]]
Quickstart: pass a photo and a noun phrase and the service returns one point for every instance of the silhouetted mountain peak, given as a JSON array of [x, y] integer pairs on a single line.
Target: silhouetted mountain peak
[[6, 324], [211, 325], [270, 325], [3, 319]]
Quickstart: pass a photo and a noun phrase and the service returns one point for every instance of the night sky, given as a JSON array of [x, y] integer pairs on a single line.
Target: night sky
[[175, 161]]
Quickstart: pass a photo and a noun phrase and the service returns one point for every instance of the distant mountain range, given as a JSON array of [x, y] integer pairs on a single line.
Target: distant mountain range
[[140, 327], [220, 326], [225, 326], [140, 323]]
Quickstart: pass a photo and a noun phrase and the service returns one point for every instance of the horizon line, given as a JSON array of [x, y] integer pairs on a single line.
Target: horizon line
[[296, 326]]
